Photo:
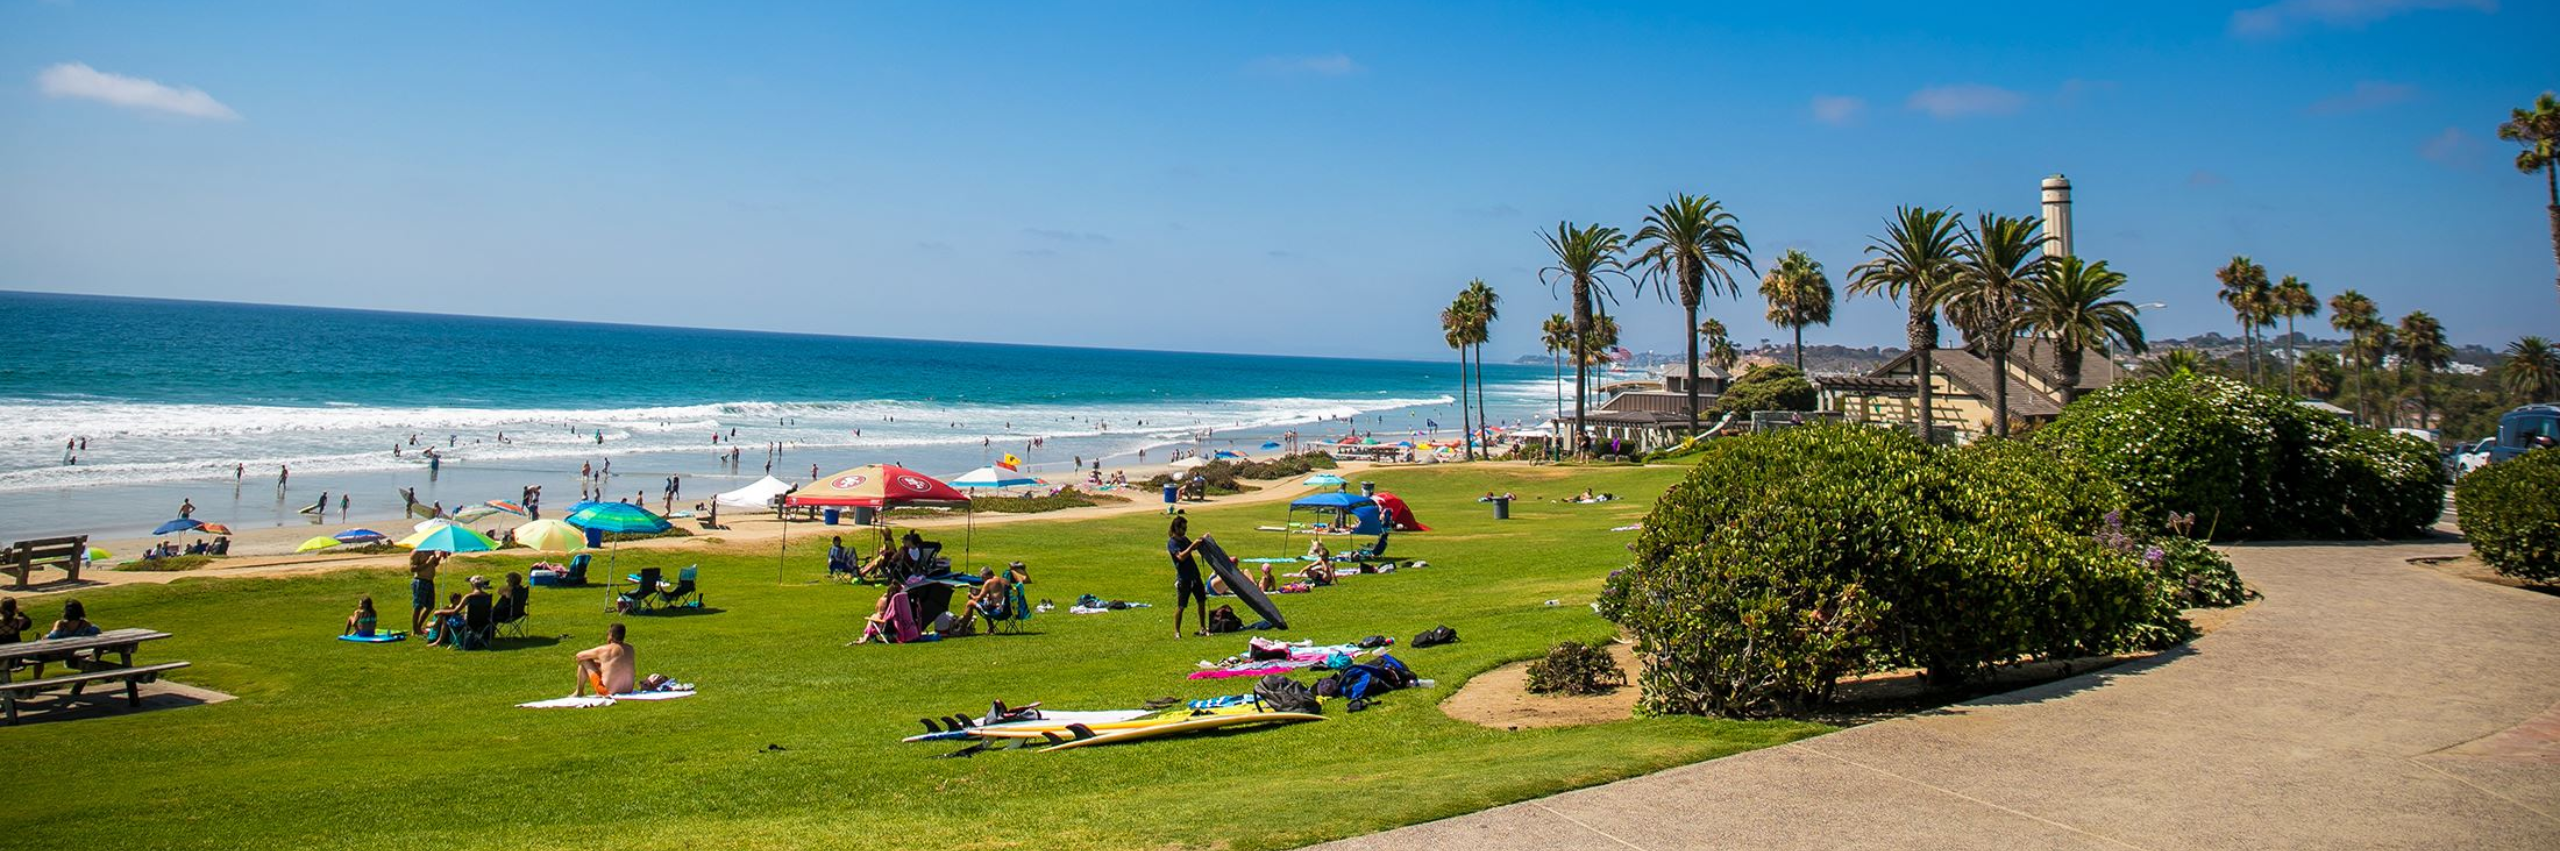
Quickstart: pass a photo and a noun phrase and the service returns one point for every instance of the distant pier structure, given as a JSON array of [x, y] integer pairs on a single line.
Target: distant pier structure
[[2057, 215]]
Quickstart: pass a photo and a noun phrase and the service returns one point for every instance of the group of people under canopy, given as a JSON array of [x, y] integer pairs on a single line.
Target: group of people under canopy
[[919, 608]]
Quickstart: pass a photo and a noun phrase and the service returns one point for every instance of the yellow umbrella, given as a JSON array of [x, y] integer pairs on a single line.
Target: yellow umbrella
[[551, 536], [320, 543]]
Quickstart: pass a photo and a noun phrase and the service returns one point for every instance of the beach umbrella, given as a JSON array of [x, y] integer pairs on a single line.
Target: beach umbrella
[[550, 536], [360, 536], [472, 513], [1322, 479], [430, 524], [1226, 453], [97, 554], [212, 529], [508, 507], [453, 539], [985, 478], [179, 525], [618, 518], [1271, 444], [320, 543]]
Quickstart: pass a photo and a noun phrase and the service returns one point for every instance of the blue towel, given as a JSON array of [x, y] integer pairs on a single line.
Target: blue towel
[[376, 638]]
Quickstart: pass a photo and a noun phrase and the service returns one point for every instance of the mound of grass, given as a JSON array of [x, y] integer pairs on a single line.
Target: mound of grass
[[171, 564]]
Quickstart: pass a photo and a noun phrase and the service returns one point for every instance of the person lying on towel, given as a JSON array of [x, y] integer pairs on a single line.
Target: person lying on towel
[[609, 668]]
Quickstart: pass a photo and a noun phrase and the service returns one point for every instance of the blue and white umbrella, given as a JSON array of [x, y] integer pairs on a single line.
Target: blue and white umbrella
[[996, 477]]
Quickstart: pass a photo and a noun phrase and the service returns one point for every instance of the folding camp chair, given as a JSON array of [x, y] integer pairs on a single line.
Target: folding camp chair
[[676, 594], [1017, 609], [639, 599], [577, 572], [478, 627], [511, 622], [1372, 554]]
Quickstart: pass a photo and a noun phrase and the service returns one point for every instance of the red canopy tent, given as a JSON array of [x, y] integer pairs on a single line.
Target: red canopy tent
[[1399, 517], [885, 486]]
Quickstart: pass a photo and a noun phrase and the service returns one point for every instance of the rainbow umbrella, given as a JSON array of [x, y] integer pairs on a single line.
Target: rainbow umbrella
[[451, 539], [508, 507]]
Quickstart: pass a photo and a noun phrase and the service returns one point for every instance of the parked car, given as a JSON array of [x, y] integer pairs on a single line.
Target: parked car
[[2469, 455], [2526, 429]]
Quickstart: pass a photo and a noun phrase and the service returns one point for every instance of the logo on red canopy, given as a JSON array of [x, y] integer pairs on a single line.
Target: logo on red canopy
[[848, 482], [915, 484]]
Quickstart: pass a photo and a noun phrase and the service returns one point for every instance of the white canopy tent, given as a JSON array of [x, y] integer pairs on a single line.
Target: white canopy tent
[[758, 495]]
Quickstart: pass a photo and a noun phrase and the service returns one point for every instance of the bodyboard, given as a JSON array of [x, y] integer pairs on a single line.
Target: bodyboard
[[376, 638], [1243, 586]]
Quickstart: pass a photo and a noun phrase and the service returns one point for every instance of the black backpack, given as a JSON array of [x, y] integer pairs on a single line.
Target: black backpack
[[1280, 694], [1223, 619], [1435, 637]]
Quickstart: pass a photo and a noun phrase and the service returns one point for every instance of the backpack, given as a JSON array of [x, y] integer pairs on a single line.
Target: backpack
[[1435, 637], [1280, 694], [1224, 619]]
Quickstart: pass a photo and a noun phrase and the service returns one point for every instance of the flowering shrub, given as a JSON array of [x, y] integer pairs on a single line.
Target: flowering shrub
[[2511, 512], [1785, 561], [1573, 667], [2249, 463]]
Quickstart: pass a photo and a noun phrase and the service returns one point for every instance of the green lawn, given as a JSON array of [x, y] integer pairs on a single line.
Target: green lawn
[[339, 745]]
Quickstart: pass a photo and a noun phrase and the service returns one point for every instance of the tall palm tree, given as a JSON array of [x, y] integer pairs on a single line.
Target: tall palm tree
[[1557, 334], [1457, 322], [2353, 313], [2074, 307], [1915, 255], [1586, 257], [1691, 243], [1799, 295], [2423, 350], [2538, 130], [1720, 351], [2245, 289], [1488, 308], [2292, 298], [1999, 255], [2532, 371]]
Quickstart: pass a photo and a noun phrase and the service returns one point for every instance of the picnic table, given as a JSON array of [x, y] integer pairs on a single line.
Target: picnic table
[[86, 656]]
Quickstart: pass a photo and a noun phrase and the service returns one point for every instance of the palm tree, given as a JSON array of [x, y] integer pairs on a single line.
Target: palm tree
[[2245, 289], [2291, 298], [1916, 254], [2319, 375], [2538, 130], [1799, 295], [1586, 257], [2532, 371], [1999, 256], [1457, 322], [1691, 242], [2176, 362], [1488, 308], [1557, 334], [2353, 313], [1720, 351], [2073, 306], [2423, 350]]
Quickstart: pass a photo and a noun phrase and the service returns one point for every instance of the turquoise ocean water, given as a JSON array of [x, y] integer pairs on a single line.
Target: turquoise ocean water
[[176, 397]]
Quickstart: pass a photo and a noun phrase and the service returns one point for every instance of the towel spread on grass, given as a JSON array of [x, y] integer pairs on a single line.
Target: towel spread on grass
[[376, 638], [592, 701]]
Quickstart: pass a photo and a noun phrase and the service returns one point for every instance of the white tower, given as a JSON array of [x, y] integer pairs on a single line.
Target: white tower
[[2057, 215]]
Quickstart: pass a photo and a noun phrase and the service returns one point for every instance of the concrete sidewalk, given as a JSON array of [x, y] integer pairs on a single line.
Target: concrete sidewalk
[[2366, 703]]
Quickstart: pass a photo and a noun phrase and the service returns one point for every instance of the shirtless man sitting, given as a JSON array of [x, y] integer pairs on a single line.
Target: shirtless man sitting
[[613, 664]]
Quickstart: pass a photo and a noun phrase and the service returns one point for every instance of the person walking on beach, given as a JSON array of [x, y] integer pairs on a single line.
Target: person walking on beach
[[342, 508], [282, 474], [239, 472], [1186, 574]]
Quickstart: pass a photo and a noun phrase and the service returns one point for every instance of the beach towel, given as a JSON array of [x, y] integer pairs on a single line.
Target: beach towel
[[662, 694], [376, 638], [583, 702]]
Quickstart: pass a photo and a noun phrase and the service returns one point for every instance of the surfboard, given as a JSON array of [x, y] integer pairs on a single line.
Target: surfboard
[[1177, 728], [1175, 715], [1048, 720], [1244, 587]]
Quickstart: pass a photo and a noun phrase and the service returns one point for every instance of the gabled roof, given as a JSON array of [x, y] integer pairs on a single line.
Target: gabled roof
[[1682, 370], [1656, 401]]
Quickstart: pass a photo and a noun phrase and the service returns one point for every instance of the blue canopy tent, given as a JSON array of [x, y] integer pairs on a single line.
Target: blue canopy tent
[[1351, 511]]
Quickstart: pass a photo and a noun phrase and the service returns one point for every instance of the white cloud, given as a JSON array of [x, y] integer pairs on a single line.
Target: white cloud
[[75, 80], [1324, 65], [1959, 101], [2282, 16], [2368, 94], [1838, 110], [2452, 147]]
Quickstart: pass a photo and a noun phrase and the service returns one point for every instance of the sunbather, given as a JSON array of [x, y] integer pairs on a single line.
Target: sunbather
[[608, 667], [362, 621]]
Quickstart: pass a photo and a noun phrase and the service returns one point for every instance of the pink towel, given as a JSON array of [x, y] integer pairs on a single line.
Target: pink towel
[[1273, 668]]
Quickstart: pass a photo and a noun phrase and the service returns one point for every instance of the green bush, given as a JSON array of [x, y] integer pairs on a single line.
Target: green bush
[[2195, 575], [1786, 561], [1573, 667], [2248, 463], [2511, 512], [1224, 476], [1775, 387]]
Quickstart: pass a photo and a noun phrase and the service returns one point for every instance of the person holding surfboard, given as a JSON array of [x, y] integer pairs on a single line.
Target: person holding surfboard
[[1186, 574]]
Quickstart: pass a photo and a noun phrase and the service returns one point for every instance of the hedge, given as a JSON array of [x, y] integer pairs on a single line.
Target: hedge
[[2511, 512]]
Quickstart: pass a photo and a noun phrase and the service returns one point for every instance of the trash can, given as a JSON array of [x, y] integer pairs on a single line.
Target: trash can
[[1368, 488], [1501, 508], [863, 515], [831, 516], [595, 538], [1172, 497]]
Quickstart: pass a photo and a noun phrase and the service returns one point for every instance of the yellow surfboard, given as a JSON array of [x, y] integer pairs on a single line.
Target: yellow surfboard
[[1039, 729], [1179, 727]]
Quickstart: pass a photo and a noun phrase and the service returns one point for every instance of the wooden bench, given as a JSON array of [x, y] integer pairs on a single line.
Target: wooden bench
[[11, 693], [22, 558]]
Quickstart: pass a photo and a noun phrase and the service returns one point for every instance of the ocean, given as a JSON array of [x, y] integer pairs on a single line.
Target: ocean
[[208, 401]]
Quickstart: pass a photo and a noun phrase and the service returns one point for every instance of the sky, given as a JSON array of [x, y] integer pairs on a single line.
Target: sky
[[1300, 178]]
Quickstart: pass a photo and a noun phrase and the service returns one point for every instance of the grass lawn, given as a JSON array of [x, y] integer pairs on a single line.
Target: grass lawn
[[339, 745]]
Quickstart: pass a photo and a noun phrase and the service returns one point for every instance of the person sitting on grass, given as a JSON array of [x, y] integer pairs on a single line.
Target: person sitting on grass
[[1268, 584], [361, 623], [891, 621], [14, 622], [74, 623], [609, 668]]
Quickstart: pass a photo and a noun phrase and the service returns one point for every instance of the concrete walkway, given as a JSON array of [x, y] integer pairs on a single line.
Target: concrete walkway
[[2366, 703]]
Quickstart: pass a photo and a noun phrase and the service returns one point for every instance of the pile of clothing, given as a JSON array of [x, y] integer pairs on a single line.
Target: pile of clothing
[[1092, 605], [1266, 656]]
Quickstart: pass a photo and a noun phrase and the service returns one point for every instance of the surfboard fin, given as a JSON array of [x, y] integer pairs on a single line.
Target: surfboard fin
[[929, 726], [1080, 731]]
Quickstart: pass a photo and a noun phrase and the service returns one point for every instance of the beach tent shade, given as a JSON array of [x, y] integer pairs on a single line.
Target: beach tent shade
[[451, 539], [619, 518], [757, 495], [1364, 520], [1399, 513], [550, 536], [877, 486], [1336, 501], [179, 525], [320, 543], [996, 477]]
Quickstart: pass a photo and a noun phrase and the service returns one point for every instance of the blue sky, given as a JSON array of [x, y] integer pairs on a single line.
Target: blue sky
[[1300, 177]]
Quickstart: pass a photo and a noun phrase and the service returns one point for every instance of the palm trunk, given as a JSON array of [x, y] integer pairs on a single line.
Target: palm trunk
[[2355, 372], [1481, 423], [2069, 359], [1581, 361], [1800, 350], [1692, 309], [2292, 363], [1923, 332], [2000, 390], [2551, 182], [1466, 447]]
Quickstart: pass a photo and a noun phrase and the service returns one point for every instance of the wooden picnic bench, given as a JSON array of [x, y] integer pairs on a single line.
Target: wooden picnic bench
[[94, 668], [67, 554]]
